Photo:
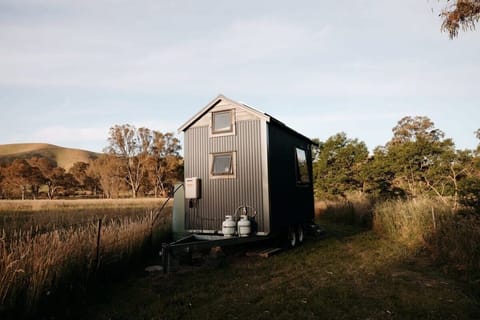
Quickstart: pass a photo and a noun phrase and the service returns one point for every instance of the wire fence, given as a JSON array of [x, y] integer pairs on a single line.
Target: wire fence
[[40, 260]]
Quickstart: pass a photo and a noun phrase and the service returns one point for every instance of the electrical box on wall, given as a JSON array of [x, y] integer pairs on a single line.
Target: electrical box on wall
[[192, 188]]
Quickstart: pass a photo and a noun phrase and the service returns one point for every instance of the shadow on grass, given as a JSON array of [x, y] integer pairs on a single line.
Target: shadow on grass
[[349, 274]]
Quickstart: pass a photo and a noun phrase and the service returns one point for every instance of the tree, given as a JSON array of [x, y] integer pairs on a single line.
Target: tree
[[378, 177], [164, 167], [477, 134], [337, 169], [55, 178], [17, 176], [2, 193], [131, 146], [80, 173], [460, 14], [107, 173], [412, 129], [419, 156]]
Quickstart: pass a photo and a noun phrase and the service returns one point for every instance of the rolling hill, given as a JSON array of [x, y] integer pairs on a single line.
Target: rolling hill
[[65, 157]]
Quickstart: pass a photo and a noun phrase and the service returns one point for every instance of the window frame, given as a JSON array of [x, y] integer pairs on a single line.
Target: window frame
[[298, 174], [233, 165], [231, 129]]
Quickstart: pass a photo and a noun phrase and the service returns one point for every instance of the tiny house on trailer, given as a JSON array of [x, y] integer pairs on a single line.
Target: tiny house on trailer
[[246, 174]]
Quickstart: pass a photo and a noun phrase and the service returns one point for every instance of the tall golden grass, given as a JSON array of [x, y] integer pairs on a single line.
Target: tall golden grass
[[354, 209], [49, 215], [451, 236], [34, 265]]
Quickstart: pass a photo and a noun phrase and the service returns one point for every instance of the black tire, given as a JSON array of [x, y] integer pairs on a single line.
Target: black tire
[[300, 234], [292, 237]]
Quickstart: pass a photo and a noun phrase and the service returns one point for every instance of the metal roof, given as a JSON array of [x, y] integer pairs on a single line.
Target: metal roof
[[255, 111]]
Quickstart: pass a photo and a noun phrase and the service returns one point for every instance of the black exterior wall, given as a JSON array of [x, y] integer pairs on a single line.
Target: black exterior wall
[[290, 202]]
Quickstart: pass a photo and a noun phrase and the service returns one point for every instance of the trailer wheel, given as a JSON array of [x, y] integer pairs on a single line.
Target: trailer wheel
[[291, 237], [300, 234]]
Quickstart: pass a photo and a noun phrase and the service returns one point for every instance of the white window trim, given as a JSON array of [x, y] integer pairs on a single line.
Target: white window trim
[[222, 133], [223, 176]]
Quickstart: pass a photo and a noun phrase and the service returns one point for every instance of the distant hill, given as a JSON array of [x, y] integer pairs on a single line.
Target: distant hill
[[65, 157]]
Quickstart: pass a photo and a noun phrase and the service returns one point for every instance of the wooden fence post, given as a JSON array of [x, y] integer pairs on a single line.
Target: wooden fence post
[[97, 261]]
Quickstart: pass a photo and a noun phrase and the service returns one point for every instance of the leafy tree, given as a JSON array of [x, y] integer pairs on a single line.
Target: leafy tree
[[131, 146], [470, 192], [82, 179], [316, 149], [469, 187], [79, 172], [107, 172], [413, 129], [17, 176], [477, 134], [164, 166], [378, 176], [460, 14], [338, 167], [420, 157], [2, 193], [55, 178]]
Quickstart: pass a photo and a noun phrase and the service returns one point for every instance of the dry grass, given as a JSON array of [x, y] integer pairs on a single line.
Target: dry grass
[[34, 265], [48, 215], [349, 274], [355, 209], [452, 237]]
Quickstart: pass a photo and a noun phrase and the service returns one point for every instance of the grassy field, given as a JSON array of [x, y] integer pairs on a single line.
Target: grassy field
[[52, 248], [52, 214], [351, 274]]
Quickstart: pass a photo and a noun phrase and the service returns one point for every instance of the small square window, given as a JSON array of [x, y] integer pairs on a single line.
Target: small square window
[[222, 122], [222, 165], [303, 176]]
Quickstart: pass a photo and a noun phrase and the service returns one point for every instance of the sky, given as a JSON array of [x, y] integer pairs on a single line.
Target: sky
[[70, 70]]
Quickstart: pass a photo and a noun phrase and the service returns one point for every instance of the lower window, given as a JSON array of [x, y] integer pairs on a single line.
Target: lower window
[[222, 165]]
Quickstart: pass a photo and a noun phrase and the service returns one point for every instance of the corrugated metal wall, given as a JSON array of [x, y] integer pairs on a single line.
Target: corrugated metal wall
[[222, 196]]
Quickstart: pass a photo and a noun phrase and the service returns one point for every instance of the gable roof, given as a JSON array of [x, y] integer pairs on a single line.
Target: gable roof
[[216, 101], [254, 111]]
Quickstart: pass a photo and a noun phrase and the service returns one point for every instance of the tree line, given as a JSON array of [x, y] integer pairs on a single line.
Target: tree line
[[136, 161], [418, 160]]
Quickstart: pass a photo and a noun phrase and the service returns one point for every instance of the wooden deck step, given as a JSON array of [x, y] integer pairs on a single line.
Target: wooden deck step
[[264, 253]]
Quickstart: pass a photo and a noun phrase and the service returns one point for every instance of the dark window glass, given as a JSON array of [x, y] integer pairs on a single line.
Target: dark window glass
[[302, 167], [222, 164], [222, 121]]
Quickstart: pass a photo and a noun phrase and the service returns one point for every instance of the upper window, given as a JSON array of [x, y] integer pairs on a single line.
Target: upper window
[[303, 176], [222, 122], [223, 165]]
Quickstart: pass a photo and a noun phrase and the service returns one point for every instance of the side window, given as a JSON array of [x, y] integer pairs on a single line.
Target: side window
[[223, 122], [303, 176], [222, 165]]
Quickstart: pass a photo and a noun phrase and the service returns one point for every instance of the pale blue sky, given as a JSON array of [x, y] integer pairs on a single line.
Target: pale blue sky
[[69, 70]]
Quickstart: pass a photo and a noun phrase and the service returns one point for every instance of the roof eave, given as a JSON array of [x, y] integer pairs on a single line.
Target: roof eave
[[213, 103]]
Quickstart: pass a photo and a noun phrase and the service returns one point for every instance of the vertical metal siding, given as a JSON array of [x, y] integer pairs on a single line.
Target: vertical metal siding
[[222, 196]]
